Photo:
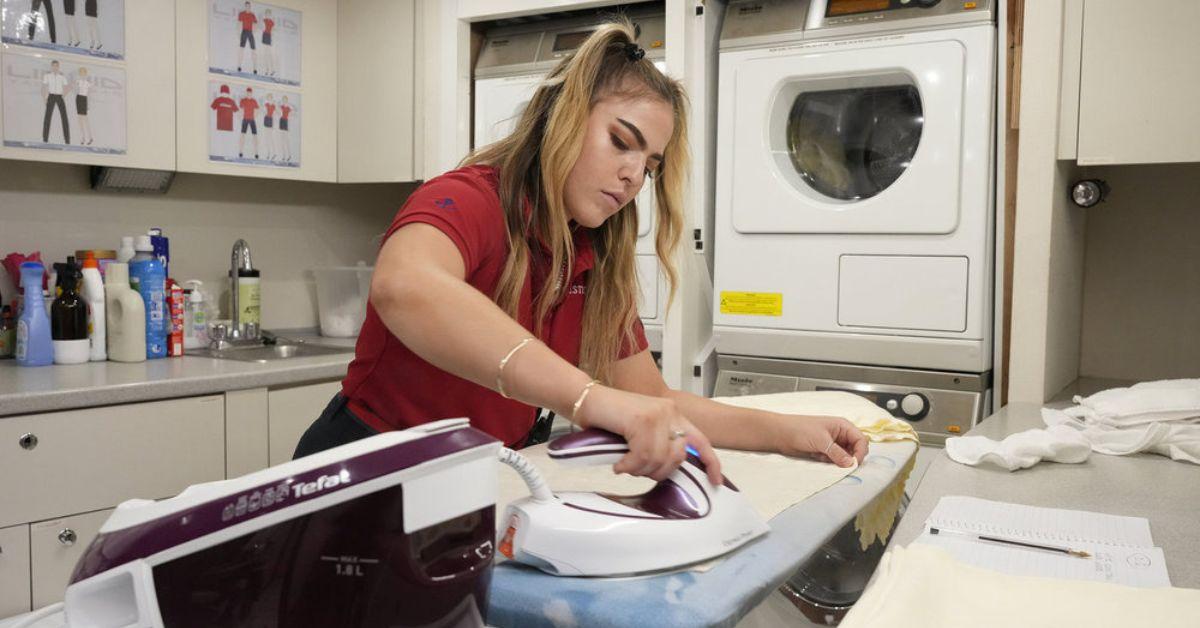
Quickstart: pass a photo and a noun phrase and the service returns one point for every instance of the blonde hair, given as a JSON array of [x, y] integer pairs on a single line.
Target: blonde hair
[[534, 163]]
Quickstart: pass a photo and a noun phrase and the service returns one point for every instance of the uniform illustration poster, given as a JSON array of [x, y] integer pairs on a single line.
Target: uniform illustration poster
[[252, 40], [253, 124], [87, 27], [65, 103]]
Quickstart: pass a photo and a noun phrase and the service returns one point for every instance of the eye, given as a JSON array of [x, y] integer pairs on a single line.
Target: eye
[[618, 143]]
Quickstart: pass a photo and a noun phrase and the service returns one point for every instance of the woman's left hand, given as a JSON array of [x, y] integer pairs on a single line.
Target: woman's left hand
[[829, 438]]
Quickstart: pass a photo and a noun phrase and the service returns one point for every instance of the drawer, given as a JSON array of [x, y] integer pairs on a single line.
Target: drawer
[[94, 458], [289, 413], [54, 548], [14, 571]]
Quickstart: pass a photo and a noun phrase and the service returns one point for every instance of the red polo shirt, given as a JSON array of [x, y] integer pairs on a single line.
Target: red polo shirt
[[389, 387]]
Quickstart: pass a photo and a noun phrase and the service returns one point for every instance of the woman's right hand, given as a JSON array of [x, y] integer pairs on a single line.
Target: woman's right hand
[[656, 431]]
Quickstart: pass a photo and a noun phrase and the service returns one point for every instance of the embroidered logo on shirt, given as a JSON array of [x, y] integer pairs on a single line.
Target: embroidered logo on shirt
[[446, 203], [577, 289]]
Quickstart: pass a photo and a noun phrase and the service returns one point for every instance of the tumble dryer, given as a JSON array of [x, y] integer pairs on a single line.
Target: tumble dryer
[[855, 201], [512, 63]]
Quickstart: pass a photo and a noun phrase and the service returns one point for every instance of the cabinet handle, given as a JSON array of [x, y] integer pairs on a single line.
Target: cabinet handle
[[67, 537], [28, 441]]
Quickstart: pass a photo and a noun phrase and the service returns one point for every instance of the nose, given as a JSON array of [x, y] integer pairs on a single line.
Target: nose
[[633, 170]]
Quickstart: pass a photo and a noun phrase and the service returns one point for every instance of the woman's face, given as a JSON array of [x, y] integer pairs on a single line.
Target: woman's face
[[625, 137]]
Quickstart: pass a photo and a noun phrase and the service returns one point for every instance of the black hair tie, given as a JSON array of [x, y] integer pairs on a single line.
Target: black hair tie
[[634, 52]]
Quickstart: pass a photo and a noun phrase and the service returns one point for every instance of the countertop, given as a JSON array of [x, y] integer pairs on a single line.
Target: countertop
[[27, 390], [1142, 485]]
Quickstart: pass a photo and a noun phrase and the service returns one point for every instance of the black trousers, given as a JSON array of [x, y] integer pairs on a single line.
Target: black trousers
[[336, 426], [52, 101], [48, 9]]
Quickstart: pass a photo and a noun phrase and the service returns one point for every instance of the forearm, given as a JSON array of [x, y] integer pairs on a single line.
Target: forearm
[[730, 427], [426, 313]]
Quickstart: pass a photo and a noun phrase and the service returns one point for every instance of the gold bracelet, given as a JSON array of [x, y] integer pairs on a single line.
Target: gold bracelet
[[582, 395], [504, 362]]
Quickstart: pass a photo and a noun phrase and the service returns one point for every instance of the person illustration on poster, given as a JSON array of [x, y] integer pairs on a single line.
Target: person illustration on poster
[[47, 10], [225, 107], [268, 123], [54, 87], [270, 61], [92, 13], [73, 39], [248, 20], [249, 106], [83, 85], [284, 138]]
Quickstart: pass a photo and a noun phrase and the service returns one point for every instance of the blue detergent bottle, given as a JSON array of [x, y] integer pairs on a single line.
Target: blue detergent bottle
[[148, 278], [34, 344]]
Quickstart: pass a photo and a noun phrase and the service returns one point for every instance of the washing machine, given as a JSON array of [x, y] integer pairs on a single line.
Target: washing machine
[[512, 63], [855, 203], [855, 185]]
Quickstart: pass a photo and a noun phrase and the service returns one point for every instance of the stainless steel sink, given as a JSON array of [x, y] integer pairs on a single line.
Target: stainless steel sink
[[269, 353]]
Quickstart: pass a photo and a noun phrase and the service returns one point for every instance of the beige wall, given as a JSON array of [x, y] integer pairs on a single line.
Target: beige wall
[[290, 226], [1141, 300]]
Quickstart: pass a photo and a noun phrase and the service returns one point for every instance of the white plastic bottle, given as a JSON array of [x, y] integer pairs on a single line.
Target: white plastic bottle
[[126, 316], [126, 251], [195, 318], [93, 294]]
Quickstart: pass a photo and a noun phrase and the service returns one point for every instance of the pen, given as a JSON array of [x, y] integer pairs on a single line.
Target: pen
[[995, 539]]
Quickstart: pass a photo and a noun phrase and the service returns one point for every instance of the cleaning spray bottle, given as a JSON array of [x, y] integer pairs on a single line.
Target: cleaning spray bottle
[[146, 276], [126, 316], [34, 344], [93, 294]]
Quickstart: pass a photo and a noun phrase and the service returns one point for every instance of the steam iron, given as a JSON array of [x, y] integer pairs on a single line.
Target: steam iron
[[393, 530], [681, 521]]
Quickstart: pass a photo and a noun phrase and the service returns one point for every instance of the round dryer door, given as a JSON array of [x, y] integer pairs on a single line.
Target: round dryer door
[[851, 144]]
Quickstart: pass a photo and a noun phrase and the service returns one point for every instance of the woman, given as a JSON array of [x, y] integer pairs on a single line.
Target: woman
[[509, 284], [83, 86]]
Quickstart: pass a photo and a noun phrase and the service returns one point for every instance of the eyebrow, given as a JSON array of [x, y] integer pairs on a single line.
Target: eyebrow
[[641, 139]]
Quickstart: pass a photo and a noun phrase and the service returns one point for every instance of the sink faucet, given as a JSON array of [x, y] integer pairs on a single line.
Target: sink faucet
[[239, 260]]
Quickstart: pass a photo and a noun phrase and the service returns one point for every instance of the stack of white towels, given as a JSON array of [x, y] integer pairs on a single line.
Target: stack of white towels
[[1161, 417]]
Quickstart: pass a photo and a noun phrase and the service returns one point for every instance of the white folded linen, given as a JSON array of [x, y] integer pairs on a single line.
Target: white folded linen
[[1145, 402], [1022, 450]]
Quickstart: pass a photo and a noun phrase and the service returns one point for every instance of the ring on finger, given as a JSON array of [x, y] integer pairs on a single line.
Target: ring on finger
[[677, 434], [829, 446]]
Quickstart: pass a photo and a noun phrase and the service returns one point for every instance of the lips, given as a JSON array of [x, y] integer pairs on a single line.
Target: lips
[[613, 198]]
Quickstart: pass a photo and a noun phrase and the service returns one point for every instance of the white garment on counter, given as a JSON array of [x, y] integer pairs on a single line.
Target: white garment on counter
[[1179, 440], [1022, 450], [925, 586]]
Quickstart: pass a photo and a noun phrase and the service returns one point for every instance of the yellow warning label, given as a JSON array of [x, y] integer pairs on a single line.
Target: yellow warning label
[[757, 303]]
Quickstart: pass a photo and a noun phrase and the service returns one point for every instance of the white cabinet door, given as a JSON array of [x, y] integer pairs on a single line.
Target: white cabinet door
[[55, 547], [58, 463], [246, 439], [291, 411], [14, 571], [375, 62], [315, 115], [149, 89], [1139, 83]]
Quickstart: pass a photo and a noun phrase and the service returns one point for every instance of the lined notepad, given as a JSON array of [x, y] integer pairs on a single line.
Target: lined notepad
[[1122, 549]]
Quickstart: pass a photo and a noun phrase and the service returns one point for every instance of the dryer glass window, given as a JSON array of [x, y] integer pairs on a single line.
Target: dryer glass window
[[851, 144]]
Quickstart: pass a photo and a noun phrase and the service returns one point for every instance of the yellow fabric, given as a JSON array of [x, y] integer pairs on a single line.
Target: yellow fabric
[[875, 521], [874, 422], [925, 586]]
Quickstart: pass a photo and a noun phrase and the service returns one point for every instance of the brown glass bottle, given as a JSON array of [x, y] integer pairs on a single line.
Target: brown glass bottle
[[68, 313]]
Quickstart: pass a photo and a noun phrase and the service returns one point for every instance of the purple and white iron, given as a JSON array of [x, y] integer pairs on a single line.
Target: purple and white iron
[[681, 521], [393, 530]]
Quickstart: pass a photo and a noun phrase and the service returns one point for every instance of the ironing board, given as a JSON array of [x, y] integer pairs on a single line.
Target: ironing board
[[525, 597]]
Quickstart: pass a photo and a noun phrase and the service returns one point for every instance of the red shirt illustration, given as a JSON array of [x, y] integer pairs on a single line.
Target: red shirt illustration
[[268, 24], [270, 109], [284, 111], [225, 108], [248, 20], [248, 106]]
